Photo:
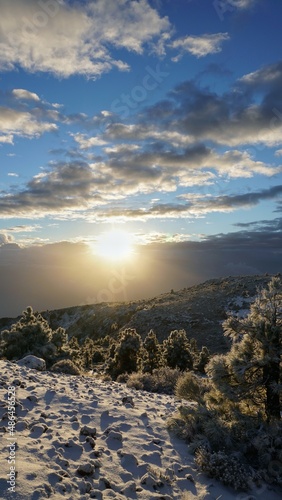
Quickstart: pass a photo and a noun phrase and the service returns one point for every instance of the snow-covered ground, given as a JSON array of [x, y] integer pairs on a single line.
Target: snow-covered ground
[[66, 424]]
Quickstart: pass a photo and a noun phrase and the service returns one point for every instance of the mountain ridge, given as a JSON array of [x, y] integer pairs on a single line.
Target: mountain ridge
[[199, 310]]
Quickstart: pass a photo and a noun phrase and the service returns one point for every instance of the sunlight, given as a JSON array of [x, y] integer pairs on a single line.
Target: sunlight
[[114, 245]]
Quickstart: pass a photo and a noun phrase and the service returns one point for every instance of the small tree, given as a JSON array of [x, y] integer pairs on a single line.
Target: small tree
[[126, 353], [203, 359], [32, 334], [251, 371], [151, 355], [177, 351]]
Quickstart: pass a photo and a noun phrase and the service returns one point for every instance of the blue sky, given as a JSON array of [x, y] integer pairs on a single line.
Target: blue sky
[[161, 119]]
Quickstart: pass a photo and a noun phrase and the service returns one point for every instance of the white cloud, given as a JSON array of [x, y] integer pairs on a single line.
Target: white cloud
[[67, 39], [6, 139], [14, 122], [200, 46], [25, 94], [87, 142], [13, 174]]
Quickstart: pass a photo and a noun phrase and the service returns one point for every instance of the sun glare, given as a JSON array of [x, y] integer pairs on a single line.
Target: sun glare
[[114, 245]]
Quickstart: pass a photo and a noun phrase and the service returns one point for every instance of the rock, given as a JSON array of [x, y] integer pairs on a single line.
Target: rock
[[96, 494], [17, 382], [128, 400], [32, 362], [39, 429], [104, 482], [115, 435], [91, 441], [32, 398], [129, 489], [149, 481], [88, 431], [85, 470]]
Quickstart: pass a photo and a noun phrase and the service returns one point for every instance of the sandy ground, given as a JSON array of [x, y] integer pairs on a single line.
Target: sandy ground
[[77, 438]]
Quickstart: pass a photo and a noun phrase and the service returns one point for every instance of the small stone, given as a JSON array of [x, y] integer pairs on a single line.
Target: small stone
[[91, 441], [96, 494], [32, 398], [190, 478], [85, 469], [88, 431], [105, 482], [128, 400]]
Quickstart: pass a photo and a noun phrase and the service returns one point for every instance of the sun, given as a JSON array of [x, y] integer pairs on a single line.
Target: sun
[[114, 245]]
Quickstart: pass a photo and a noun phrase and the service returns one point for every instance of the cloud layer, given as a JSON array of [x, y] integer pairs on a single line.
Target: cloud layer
[[63, 38], [192, 139]]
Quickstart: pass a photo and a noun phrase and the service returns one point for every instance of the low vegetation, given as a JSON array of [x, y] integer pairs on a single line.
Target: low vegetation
[[234, 422], [231, 403]]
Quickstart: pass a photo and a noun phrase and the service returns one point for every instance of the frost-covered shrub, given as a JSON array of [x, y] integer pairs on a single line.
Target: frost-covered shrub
[[123, 378], [32, 334], [225, 468], [65, 366], [190, 387], [177, 351], [202, 360], [151, 355], [236, 408], [125, 353], [162, 380]]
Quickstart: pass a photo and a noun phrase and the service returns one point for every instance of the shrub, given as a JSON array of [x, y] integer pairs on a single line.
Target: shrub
[[225, 468], [202, 360], [162, 380], [177, 351], [123, 378], [151, 355], [190, 387], [126, 353], [32, 334], [65, 366], [236, 408]]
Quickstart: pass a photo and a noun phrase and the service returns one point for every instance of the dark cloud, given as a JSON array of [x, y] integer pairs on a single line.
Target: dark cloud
[[238, 117]]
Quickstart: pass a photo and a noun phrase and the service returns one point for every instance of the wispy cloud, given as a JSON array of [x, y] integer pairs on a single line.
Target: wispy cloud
[[23, 228], [199, 46]]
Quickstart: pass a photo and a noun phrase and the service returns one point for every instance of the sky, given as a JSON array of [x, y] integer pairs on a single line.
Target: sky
[[140, 147]]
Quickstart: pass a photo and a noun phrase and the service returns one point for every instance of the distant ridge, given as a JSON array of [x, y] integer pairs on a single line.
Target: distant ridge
[[198, 309]]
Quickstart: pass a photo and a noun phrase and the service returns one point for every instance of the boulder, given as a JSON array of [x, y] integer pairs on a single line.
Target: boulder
[[33, 362]]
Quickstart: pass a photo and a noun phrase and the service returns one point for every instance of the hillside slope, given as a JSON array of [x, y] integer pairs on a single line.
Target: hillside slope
[[199, 310]]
